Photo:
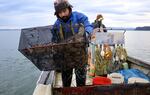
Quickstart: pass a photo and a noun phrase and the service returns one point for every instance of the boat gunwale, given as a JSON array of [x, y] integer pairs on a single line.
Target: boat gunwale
[[138, 62]]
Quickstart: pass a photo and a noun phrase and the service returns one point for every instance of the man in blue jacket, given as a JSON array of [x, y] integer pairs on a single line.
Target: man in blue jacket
[[66, 25]]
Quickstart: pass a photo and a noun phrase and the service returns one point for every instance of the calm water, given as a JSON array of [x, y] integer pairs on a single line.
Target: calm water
[[18, 76], [138, 44]]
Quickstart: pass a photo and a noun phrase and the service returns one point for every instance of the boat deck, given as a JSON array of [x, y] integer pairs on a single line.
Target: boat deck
[[52, 80], [58, 80]]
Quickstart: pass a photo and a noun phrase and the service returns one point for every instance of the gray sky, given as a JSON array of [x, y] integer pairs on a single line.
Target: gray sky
[[117, 13]]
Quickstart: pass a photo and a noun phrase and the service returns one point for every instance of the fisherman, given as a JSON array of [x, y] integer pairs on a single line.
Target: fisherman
[[98, 23], [66, 25], [98, 27]]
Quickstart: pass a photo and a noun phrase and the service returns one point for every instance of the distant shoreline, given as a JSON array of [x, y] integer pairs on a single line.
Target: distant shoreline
[[145, 28], [9, 29]]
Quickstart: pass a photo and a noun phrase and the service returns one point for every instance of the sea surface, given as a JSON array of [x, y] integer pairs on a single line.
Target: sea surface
[[18, 75]]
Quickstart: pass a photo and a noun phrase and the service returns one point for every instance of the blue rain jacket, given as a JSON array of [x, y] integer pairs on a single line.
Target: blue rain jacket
[[76, 18]]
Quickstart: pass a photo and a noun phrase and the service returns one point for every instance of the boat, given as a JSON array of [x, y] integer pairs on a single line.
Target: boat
[[51, 78], [49, 82]]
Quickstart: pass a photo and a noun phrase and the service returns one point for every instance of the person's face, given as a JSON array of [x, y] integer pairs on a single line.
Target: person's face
[[64, 14], [100, 19]]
